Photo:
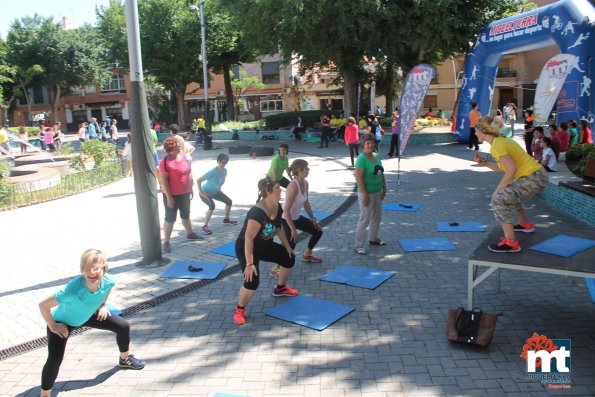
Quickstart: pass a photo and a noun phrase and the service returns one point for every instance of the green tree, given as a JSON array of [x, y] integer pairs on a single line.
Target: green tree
[[69, 58], [240, 84]]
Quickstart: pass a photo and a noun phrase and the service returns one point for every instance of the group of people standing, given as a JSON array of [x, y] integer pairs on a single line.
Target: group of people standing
[[106, 131]]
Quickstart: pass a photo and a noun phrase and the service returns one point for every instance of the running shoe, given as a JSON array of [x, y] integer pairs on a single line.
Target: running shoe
[[193, 236], [361, 251], [285, 291], [239, 316], [131, 362], [505, 245], [166, 247], [206, 230], [311, 259], [275, 272], [524, 227], [378, 242], [230, 222]]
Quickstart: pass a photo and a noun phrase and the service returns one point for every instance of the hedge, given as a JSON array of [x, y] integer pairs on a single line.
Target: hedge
[[309, 117]]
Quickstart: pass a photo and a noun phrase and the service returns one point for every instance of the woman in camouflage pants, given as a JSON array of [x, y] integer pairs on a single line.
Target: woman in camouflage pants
[[523, 178]]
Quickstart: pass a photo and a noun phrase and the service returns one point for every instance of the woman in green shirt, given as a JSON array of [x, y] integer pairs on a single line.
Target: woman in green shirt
[[279, 165], [371, 190]]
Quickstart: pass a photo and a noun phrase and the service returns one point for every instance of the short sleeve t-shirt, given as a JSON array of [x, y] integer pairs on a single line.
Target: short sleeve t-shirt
[[526, 165], [279, 165], [268, 227], [552, 163], [179, 174], [154, 139], [76, 304], [214, 181], [372, 178], [474, 115]]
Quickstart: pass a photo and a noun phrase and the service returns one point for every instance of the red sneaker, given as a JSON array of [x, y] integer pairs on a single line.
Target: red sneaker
[[238, 316], [524, 227], [285, 291], [505, 245]]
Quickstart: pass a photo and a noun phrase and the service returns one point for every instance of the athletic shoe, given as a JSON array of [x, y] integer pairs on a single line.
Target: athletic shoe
[[285, 291], [239, 316], [311, 259], [275, 272], [131, 362], [505, 245], [524, 227], [206, 230], [193, 236], [378, 242], [166, 247], [361, 251], [230, 222], [350, 167]]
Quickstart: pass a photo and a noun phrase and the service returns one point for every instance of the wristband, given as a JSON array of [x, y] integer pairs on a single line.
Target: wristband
[[250, 264]]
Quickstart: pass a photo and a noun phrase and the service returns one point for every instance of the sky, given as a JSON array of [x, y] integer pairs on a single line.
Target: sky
[[78, 11]]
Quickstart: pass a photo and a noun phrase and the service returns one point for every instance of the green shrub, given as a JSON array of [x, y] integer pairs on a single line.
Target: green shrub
[[66, 148], [309, 117], [96, 149], [238, 125], [31, 131], [581, 153], [6, 190]]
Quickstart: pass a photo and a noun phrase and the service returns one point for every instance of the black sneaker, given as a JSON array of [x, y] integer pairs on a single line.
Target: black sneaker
[[131, 362], [505, 245], [524, 227]]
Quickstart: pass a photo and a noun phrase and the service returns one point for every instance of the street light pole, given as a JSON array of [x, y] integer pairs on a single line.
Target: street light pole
[[200, 11]]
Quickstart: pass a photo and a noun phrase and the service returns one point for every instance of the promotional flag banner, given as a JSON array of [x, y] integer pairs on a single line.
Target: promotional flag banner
[[550, 83], [414, 90]]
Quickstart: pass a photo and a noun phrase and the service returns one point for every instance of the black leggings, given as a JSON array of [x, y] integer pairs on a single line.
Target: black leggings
[[473, 140], [305, 225], [353, 148], [220, 196], [268, 251], [57, 345]]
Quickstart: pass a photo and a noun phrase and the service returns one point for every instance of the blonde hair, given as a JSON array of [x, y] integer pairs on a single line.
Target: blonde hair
[[488, 125], [296, 166], [93, 257]]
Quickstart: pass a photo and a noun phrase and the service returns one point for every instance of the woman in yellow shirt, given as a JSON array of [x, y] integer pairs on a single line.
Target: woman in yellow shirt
[[523, 178]]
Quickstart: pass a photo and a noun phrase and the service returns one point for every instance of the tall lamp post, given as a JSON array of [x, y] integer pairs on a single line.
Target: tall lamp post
[[200, 12]]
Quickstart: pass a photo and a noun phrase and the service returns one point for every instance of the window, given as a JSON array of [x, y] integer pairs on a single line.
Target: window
[[116, 84], [431, 101], [275, 105], [270, 73], [236, 72], [37, 95], [331, 104]]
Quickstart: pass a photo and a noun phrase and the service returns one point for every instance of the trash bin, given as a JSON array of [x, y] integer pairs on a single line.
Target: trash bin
[[207, 142]]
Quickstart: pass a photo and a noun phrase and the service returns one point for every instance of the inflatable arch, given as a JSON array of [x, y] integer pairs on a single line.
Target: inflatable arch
[[569, 24]]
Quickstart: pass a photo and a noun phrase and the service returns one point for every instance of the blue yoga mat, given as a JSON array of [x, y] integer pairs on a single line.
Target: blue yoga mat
[[320, 215], [563, 245], [591, 287], [460, 227], [227, 249], [313, 313], [113, 309], [401, 207], [427, 244], [357, 276], [180, 270]]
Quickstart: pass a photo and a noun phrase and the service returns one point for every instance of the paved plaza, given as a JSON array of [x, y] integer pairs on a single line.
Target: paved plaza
[[393, 344]]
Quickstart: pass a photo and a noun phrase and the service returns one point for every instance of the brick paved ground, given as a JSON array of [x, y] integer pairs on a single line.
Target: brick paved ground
[[392, 344]]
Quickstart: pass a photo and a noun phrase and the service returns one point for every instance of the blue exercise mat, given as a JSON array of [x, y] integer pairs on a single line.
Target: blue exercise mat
[[313, 313], [591, 287], [320, 215], [357, 276], [405, 207], [427, 244], [228, 249], [460, 227], [563, 245], [210, 270], [113, 309]]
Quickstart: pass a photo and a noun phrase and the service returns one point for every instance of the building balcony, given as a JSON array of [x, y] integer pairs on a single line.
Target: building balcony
[[505, 72]]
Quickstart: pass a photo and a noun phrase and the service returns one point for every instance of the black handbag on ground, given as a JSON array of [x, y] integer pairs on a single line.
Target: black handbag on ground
[[470, 326]]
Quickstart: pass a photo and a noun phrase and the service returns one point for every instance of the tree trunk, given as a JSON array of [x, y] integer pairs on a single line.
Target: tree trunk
[[388, 92], [231, 113], [55, 100], [349, 94], [179, 93]]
